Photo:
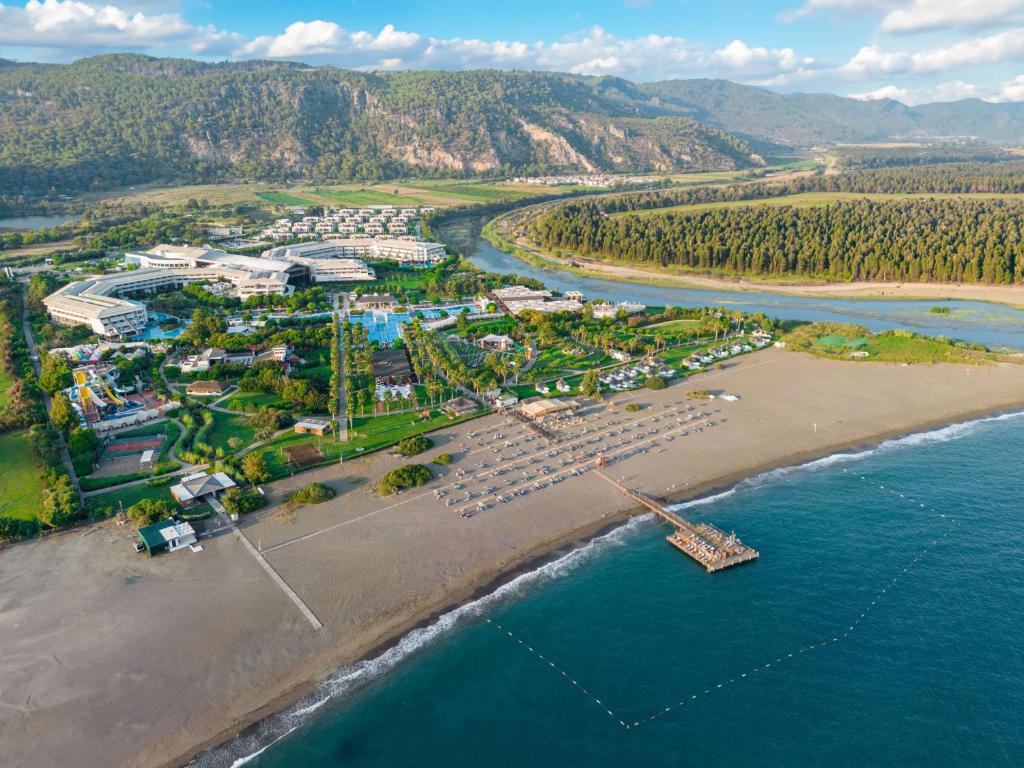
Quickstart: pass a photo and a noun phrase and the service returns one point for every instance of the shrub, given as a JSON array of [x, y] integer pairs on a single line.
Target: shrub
[[699, 394], [11, 528], [314, 493], [400, 479], [444, 459], [411, 446], [163, 467], [149, 511], [656, 382], [633, 407], [239, 502]]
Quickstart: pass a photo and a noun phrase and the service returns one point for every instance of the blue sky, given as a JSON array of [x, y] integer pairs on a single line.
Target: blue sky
[[912, 50]]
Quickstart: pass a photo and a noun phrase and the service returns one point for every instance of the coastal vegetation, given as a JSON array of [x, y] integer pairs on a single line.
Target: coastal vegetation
[[313, 493], [414, 445], [927, 240], [403, 478], [854, 342]]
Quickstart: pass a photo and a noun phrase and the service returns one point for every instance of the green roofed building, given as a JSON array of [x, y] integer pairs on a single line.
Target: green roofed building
[[167, 534]]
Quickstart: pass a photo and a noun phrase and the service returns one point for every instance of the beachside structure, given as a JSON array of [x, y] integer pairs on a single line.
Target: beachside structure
[[196, 488], [538, 410], [167, 535], [459, 406]]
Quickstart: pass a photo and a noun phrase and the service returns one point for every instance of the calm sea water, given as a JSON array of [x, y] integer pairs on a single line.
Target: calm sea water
[[931, 675]]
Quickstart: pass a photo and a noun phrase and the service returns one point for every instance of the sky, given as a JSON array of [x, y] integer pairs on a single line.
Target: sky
[[915, 51]]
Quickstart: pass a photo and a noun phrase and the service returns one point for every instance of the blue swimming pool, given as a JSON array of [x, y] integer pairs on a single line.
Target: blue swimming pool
[[383, 327]]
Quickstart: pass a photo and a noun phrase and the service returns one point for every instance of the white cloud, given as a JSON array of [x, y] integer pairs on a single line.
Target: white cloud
[[739, 55], [844, 7], [951, 91], [78, 25], [595, 52], [1011, 91], [871, 60], [928, 15]]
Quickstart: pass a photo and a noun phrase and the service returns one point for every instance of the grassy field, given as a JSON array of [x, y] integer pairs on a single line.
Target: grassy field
[[284, 198], [811, 200], [6, 382], [127, 496], [226, 426], [21, 477], [684, 325], [251, 401], [367, 435], [844, 341]]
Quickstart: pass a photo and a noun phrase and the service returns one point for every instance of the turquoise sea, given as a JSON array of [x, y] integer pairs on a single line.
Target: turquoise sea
[[881, 626]]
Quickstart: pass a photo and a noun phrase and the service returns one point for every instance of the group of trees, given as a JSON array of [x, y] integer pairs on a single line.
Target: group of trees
[[947, 240], [307, 395], [24, 405], [409, 476]]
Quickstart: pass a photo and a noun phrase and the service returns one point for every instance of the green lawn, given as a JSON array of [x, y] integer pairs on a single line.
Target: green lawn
[[21, 477], [226, 426], [125, 497], [251, 401], [6, 381], [368, 434]]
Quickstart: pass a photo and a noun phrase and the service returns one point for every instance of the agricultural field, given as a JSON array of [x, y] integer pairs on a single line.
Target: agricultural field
[[21, 477]]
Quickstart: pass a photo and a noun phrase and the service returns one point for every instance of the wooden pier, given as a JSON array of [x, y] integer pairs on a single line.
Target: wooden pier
[[708, 545]]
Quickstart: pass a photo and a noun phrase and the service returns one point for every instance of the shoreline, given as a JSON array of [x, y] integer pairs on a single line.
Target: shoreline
[[550, 552], [1011, 296]]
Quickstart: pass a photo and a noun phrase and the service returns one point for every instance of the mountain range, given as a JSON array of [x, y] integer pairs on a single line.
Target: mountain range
[[123, 119]]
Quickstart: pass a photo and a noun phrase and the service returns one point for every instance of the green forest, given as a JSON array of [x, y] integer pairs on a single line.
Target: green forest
[[928, 240], [123, 119]]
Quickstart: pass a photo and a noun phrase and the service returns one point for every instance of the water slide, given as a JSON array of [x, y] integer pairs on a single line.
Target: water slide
[[110, 393]]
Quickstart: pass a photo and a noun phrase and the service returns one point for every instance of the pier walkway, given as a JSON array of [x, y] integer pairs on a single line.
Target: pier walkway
[[708, 545]]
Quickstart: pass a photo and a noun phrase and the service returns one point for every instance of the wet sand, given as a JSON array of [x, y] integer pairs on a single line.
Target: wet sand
[[115, 659]]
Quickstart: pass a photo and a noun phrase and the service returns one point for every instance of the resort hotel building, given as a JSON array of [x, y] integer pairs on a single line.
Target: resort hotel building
[[417, 253], [104, 302]]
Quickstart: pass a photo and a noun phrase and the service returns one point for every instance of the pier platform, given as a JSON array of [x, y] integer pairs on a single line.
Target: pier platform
[[708, 545]]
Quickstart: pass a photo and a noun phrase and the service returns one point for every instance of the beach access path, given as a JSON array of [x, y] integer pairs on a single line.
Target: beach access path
[[206, 642]]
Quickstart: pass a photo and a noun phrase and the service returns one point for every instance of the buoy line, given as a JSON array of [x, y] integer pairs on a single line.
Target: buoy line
[[627, 724]]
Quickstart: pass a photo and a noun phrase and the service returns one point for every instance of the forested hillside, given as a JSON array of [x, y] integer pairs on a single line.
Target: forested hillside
[[125, 119], [928, 240], [812, 118]]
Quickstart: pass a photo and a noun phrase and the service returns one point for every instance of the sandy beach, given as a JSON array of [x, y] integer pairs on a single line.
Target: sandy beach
[[116, 659]]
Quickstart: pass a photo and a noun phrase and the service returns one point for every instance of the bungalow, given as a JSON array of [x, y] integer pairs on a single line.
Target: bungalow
[[562, 386], [194, 489], [620, 355], [493, 341], [312, 427], [205, 388], [375, 301], [504, 399], [459, 406], [543, 389], [170, 535]]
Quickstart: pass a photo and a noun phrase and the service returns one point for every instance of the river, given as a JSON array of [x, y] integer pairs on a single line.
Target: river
[[994, 325]]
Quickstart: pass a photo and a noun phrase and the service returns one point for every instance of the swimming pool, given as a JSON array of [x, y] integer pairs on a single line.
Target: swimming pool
[[383, 327]]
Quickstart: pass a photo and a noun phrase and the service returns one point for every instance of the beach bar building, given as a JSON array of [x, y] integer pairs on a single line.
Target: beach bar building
[[194, 489], [169, 535]]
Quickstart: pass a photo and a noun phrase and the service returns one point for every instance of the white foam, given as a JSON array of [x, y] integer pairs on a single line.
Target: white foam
[[942, 435], [273, 729]]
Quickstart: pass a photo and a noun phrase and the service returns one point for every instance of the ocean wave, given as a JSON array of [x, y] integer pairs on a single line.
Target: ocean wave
[[270, 730], [941, 435]]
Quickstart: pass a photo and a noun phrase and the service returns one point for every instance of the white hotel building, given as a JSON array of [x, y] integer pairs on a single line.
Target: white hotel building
[[407, 252], [100, 302]]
